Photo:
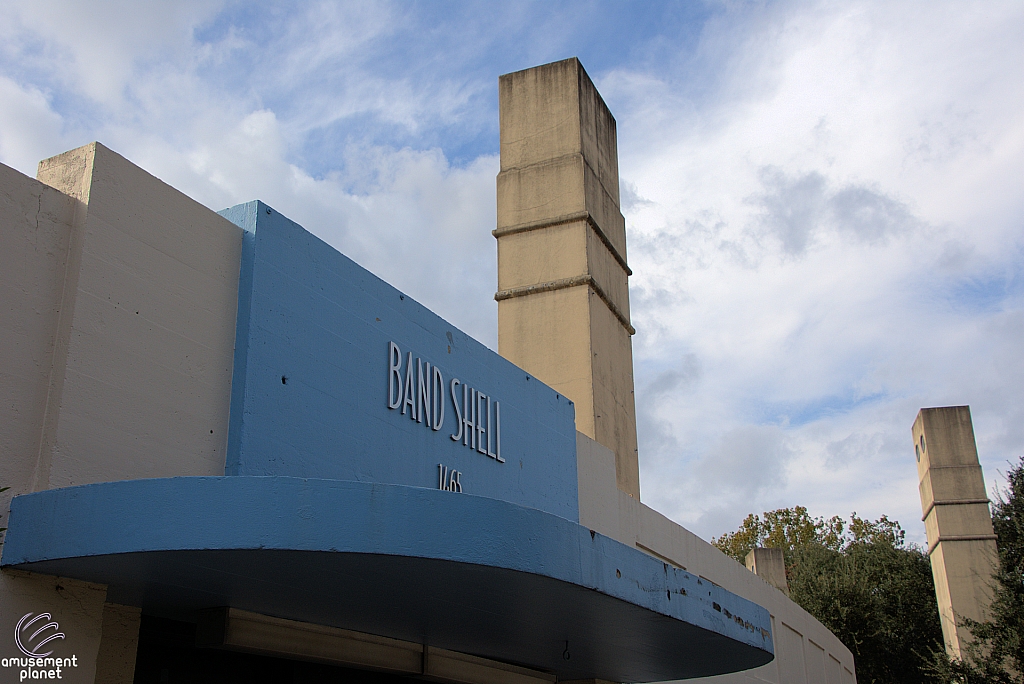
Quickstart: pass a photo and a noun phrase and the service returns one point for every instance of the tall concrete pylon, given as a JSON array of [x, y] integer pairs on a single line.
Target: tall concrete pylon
[[961, 543], [563, 297]]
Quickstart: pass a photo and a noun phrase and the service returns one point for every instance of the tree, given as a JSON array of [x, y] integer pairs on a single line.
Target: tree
[[785, 528], [862, 581], [996, 653]]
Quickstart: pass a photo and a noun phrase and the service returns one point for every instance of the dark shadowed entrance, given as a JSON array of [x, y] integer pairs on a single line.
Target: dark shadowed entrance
[[168, 655]]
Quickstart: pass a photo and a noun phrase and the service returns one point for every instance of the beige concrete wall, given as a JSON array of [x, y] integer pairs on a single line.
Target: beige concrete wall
[[805, 650], [35, 237], [118, 324], [76, 607], [115, 660], [144, 389], [538, 256], [769, 565], [563, 295], [35, 234], [539, 327], [961, 542], [611, 357]]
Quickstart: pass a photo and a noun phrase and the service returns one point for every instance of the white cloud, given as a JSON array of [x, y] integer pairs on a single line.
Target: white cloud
[[224, 112], [94, 48], [27, 125], [810, 232], [420, 224]]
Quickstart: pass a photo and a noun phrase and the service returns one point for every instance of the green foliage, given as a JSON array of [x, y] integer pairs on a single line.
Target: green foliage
[[861, 580], [877, 598], [785, 528], [882, 531], [793, 528], [997, 653]]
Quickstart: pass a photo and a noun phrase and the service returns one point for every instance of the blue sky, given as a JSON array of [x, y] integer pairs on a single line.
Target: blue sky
[[823, 199]]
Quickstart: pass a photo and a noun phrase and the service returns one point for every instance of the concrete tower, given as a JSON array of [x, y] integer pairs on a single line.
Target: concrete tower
[[563, 297], [961, 543]]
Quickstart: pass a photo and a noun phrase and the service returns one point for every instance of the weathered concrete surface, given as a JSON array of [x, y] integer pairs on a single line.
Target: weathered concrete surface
[[115, 662], [76, 607], [140, 382], [117, 333], [769, 565], [35, 234], [961, 542], [563, 297]]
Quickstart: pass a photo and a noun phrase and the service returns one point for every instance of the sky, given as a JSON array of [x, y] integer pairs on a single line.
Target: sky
[[824, 201]]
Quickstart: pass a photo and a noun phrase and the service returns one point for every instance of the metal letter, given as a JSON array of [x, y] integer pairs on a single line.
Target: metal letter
[[497, 432], [422, 392], [394, 376], [458, 413], [442, 476], [469, 434], [481, 440], [458, 481], [409, 397], [437, 397], [489, 433]]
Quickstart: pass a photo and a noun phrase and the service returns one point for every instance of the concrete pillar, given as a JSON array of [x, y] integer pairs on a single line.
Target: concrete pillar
[[563, 297], [769, 565], [119, 644], [961, 543]]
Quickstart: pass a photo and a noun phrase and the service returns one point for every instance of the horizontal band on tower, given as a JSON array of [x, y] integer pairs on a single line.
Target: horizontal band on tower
[[956, 465], [562, 284], [960, 537], [951, 502], [560, 220]]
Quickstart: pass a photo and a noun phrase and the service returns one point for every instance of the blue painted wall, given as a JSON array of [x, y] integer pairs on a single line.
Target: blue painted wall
[[310, 390]]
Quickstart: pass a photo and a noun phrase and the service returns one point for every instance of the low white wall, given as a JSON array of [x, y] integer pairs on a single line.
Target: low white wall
[[805, 651]]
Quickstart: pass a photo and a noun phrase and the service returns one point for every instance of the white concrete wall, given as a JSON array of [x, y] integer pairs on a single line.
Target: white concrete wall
[[805, 651], [146, 380], [35, 231], [117, 329]]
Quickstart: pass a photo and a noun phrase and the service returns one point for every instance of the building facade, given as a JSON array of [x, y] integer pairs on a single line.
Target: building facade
[[236, 455]]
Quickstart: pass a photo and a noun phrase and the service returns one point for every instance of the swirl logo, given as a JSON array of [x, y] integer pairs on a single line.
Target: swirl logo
[[30, 636]]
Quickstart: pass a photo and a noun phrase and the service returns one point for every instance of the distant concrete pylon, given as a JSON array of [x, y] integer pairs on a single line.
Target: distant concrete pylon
[[961, 543], [769, 565], [563, 297]]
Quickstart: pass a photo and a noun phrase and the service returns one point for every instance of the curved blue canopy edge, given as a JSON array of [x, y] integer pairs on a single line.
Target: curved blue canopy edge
[[452, 570]]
